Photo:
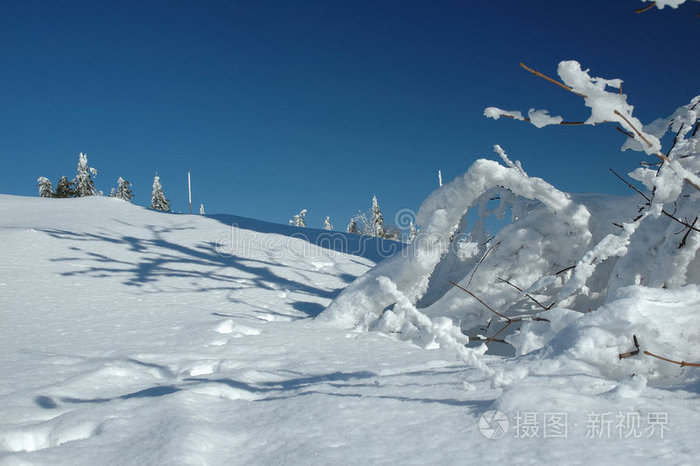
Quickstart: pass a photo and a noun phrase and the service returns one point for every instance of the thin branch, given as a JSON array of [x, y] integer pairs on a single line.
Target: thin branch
[[546, 308], [566, 269], [488, 251], [508, 319], [680, 363], [554, 81], [639, 133], [633, 352], [494, 340], [563, 123], [685, 237], [657, 153], [646, 8], [626, 133], [480, 301], [630, 185], [663, 211]]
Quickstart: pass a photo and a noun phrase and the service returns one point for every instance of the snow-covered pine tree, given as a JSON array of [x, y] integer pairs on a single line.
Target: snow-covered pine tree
[[412, 232], [377, 219], [352, 227], [201, 210], [124, 191], [84, 185], [45, 187], [299, 219], [64, 188], [158, 200], [327, 225]]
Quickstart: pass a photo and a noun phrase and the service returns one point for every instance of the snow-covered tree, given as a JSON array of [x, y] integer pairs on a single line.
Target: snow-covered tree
[[124, 191], [84, 185], [201, 209], [377, 219], [412, 232], [64, 188], [299, 219], [45, 187], [352, 227], [158, 200], [327, 225]]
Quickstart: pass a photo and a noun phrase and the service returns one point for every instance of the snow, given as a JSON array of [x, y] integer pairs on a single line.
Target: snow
[[541, 118], [660, 4], [132, 336]]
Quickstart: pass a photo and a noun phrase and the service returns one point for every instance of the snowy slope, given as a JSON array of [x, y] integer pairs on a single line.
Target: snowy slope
[[135, 337]]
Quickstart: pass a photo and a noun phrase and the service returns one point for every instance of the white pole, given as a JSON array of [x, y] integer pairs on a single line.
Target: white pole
[[189, 189], [440, 177]]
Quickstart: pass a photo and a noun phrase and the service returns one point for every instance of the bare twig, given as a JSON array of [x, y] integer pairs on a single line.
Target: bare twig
[[657, 153], [648, 353], [546, 308], [685, 237], [509, 320], [566, 269], [630, 185], [639, 133], [626, 133], [633, 352], [554, 81], [646, 8], [480, 301], [680, 363], [494, 340], [663, 211], [563, 123], [488, 251]]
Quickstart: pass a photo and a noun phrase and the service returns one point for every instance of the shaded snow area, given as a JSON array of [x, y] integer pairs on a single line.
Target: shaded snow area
[[136, 337]]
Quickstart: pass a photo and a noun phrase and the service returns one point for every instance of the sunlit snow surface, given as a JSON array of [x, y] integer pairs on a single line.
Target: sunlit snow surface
[[136, 337]]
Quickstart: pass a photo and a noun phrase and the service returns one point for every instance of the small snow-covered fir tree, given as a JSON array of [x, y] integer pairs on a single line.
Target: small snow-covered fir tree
[[158, 200], [45, 187], [64, 188], [412, 232], [377, 219], [299, 219], [84, 185], [352, 227], [124, 191], [327, 225], [201, 210]]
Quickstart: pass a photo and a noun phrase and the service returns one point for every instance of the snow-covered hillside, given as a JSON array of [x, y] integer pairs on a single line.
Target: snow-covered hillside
[[135, 337]]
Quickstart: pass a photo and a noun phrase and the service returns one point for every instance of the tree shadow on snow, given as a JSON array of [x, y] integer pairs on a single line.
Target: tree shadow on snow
[[203, 264]]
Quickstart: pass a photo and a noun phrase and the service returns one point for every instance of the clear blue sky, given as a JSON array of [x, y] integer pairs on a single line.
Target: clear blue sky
[[279, 106]]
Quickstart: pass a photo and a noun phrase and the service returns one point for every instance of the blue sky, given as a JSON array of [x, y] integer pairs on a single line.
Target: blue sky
[[279, 106]]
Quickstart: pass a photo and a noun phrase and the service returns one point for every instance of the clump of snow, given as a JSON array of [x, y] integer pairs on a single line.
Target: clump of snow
[[660, 4], [496, 113], [541, 118]]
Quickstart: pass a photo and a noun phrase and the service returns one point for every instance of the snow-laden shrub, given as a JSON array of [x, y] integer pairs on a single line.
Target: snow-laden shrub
[[573, 254]]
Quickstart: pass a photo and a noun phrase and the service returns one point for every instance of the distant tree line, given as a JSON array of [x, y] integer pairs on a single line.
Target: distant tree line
[[83, 185], [364, 223]]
